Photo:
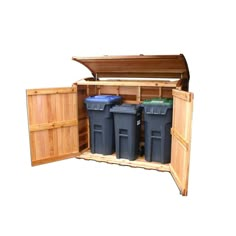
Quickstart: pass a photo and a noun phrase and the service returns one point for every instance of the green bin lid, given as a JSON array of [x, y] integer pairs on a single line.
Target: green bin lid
[[159, 101]]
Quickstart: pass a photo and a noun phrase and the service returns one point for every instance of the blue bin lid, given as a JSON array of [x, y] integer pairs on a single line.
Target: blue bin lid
[[105, 99], [126, 108]]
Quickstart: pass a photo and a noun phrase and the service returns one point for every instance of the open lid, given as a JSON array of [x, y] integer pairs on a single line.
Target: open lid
[[155, 66]]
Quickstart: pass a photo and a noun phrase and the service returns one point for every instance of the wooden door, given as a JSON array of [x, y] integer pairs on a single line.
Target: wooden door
[[181, 138], [53, 124]]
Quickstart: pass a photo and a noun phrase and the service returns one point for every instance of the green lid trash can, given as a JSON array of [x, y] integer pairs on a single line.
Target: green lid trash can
[[157, 125]]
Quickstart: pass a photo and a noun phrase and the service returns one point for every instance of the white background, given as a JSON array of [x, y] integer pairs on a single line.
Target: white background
[[76, 197]]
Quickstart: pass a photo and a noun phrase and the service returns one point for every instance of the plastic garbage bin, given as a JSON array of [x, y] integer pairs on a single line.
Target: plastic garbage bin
[[157, 125], [101, 123], [127, 118]]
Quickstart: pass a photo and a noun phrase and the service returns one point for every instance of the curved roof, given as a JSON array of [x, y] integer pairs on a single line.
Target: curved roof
[[146, 66]]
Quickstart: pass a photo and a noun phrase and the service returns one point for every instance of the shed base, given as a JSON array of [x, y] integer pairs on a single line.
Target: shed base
[[139, 162]]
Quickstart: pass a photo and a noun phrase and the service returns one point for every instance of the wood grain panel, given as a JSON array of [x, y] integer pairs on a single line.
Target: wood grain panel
[[142, 66], [53, 124], [109, 90], [135, 83], [181, 138], [166, 92]]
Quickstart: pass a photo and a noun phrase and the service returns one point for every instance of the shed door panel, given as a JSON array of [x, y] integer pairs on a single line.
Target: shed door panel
[[53, 124], [181, 138]]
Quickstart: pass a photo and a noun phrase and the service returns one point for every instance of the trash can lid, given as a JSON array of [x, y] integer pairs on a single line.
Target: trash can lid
[[157, 106], [126, 108], [105, 99], [159, 101]]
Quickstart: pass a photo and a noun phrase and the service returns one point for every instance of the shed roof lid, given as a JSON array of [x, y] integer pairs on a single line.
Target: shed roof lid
[[151, 66]]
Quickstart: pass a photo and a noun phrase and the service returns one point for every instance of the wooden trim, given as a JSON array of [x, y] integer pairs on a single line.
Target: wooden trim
[[140, 162], [170, 73], [179, 137], [83, 134], [32, 146], [187, 73], [82, 143], [53, 125], [126, 57], [44, 91], [54, 158], [160, 92], [138, 97], [88, 132], [83, 118], [182, 95], [83, 151], [187, 161], [147, 83], [183, 191]]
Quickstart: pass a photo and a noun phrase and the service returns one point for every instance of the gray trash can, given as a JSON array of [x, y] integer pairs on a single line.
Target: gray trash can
[[127, 118], [101, 123], [157, 125]]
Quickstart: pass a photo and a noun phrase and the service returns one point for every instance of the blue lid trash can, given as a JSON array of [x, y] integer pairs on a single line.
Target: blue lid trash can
[[101, 123], [157, 125], [127, 118]]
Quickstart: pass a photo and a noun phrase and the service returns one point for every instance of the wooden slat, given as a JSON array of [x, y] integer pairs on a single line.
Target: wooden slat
[[82, 118], [128, 90], [177, 180], [51, 91], [160, 91], [182, 95], [138, 96], [83, 126], [88, 132], [149, 92], [167, 92], [147, 83], [129, 97], [131, 101], [32, 146], [180, 138], [109, 90], [83, 92], [83, 142], [53, 125], [54, 158], [126, 74], [125, 57], [85, 133], [140, 162]]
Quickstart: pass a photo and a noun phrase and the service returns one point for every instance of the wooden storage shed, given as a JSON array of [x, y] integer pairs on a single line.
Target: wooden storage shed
[[58, 120]]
